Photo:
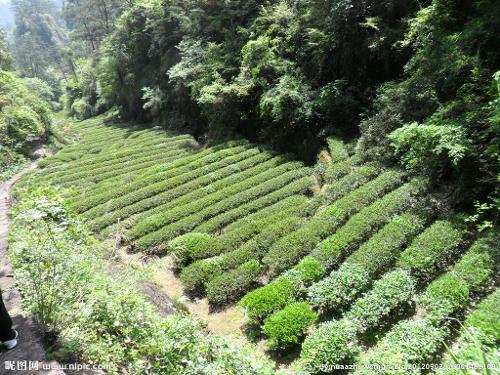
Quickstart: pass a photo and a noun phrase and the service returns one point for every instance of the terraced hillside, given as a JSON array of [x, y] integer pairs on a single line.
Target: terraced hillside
[[349, 262]]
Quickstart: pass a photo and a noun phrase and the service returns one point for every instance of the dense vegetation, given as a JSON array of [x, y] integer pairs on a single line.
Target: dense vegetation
[[330, 168]]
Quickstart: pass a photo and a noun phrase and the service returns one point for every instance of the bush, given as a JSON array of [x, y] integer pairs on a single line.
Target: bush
[[478, 339], [356, 178], [160, 193], [192, 246], [328, 346], [256, 305], [289, 325], [337, 149], [357, 272], [431, 249], [194, 276], [409, 342], [225, 188], [298, 186], [184, 167], [388, 294], [233, 284], [341, 168], [331, 250], [416, 341]]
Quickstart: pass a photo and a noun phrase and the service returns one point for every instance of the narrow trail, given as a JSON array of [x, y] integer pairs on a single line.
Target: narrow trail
[[30, 351]]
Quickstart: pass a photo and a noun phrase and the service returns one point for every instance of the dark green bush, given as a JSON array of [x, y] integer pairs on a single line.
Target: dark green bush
[[233, 284], [328, 346], [288, 326], [192, 246]]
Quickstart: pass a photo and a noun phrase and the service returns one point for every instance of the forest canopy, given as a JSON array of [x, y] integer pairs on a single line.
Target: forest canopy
[[414, 82]]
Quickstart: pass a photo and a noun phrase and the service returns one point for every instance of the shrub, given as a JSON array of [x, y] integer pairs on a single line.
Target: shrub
[[231, 285], [189, 246], [328, 346], [184, 167], [388, 294], [409, 342], [236, 233], [256, 305], [356, 178], [337, 149], [103, 320], [289, 325], [478, 339], [301, 185], [416, 341], [364, 223], [228, 187], [341, 168], [160, 193], [431, 249], [194, 277]]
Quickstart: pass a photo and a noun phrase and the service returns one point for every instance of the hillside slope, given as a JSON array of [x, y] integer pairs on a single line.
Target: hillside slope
[[360, 266]]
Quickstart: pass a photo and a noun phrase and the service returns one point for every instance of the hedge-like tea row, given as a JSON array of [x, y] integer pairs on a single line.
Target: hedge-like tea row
[[374, 257], [415, 341], [288, 251], [289, 326], [479, 338], [356, 178], [337, 149], [186, 167], [101, 154], [229, 286], [155, 153], [242, 194], [260, 235], [162, 192], [433, 249], [331, 250], [195, 201], [240, 280], [388, 295], [120, 154], [221, 220], [261, 302], [186, 182], [94, 164], [341, 168], [362, 225], [248, 229], [235, 234], [133, 167]]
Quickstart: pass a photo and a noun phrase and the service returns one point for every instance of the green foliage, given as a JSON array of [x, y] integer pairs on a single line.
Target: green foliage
[[100, 319], [328, 346], [286, 327], [388, 295], [192, 246], [233, 284], [357, 272], [426, 147], [256, 303], [433, 248], [290, 249], [24, 118], [478, 339]]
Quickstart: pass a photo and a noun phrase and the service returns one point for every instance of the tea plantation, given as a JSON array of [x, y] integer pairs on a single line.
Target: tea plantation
[[350, 263]]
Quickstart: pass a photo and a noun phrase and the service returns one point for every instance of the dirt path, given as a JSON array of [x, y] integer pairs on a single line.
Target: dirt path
[[30, 350]]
